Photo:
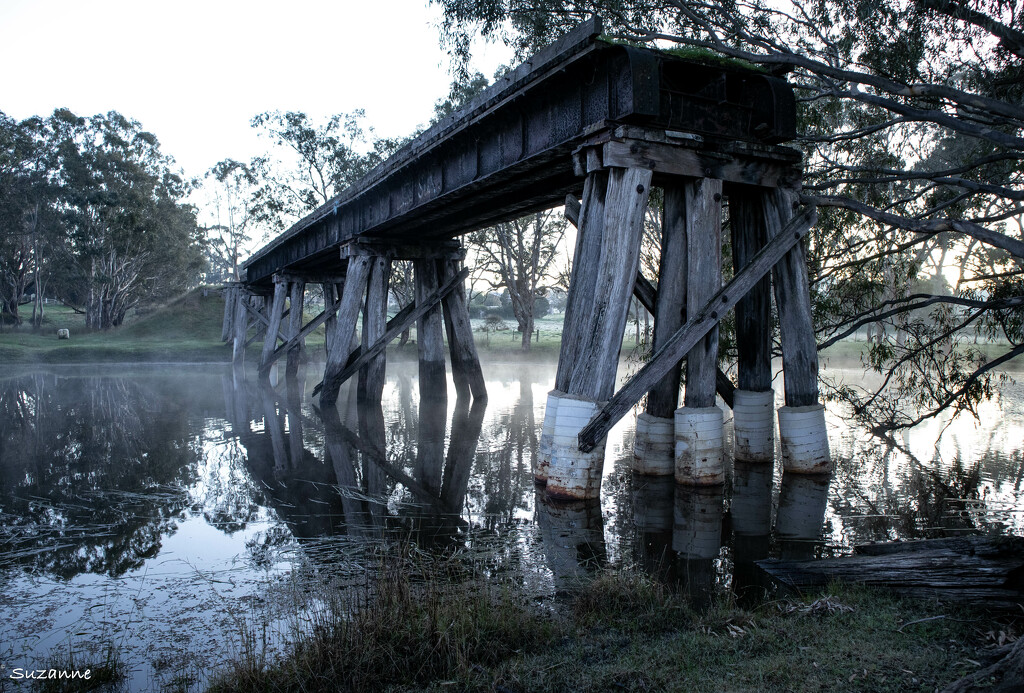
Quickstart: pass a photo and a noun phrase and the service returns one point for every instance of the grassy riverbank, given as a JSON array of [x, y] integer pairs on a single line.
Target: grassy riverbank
[[623, 631], [188, 329], [185, 330]]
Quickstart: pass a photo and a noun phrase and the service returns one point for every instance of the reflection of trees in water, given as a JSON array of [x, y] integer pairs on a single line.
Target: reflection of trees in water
[[504, 466], [884, 497], [92, 471]]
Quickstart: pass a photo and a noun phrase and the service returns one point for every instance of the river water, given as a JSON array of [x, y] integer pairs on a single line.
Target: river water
[[182, 515]]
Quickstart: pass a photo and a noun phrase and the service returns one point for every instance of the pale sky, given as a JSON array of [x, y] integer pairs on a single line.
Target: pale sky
[[194, 72]]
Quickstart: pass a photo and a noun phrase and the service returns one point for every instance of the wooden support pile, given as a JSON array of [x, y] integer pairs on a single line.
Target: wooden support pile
[[440, 305], [687, 305]]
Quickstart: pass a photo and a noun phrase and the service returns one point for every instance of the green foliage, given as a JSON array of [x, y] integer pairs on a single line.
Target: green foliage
[[462, 92], [311, 163], [95, 213]]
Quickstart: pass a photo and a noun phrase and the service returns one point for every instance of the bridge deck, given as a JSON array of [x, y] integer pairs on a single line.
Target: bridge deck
[[508, 152]]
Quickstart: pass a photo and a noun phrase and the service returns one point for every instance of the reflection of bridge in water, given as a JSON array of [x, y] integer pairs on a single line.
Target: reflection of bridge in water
[[346, 488]]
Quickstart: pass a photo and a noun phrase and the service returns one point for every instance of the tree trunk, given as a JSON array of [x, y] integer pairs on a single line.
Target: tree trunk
[[527, 328]]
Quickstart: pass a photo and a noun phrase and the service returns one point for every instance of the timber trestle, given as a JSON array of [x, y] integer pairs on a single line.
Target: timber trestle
[[603, 123]]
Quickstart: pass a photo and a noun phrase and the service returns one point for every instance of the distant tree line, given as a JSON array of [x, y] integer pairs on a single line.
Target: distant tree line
[[92, 214]]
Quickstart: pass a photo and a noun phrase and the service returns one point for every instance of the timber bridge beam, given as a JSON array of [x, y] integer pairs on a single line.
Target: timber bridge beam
[[595, 125]]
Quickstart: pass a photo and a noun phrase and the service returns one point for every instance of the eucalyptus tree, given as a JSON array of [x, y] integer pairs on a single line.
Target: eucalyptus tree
[[910, 121], [230, 185], [310, 163], [25, 194], [521, 257], [126, 236]]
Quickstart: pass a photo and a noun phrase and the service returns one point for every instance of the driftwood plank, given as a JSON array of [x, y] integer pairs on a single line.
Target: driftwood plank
[[989, 570], [695, 329]]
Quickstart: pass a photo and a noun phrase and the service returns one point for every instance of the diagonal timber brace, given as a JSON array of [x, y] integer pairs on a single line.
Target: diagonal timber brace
[[695, 328], [263, 318], [647, 294], [395, 327], [297, 339]]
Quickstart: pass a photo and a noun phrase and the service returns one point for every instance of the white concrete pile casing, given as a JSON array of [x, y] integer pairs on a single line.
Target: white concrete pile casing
[[573, 474], [654, 445], [804, 440], [547, 433], [699, 452], [754, 425]]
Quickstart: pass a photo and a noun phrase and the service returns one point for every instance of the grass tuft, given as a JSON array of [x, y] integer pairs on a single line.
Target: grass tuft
[[103, 673], [410, 626], [630, 600]]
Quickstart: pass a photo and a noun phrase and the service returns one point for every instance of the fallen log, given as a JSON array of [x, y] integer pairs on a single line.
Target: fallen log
[[980, 570]]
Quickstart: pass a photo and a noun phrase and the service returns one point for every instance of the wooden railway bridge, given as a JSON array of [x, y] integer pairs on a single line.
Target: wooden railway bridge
[[594, 124]]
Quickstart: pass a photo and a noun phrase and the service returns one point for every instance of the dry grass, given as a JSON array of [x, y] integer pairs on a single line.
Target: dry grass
[[419, 620]]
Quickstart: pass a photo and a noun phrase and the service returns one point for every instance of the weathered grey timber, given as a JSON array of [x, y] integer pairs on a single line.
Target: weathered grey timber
[[375, 319], [700, 214], [344, 329], [696, 327], [273, 326], [296, 303], [396, 325], [331, 291], [670, 302], [466, 370], [429, 332], [229, 312], [754, 311], [986, 570], [600, 336], [671, 275], [647, 294], [793, 300], [241, 322], [583, 276], [507, 152], [609, 121], [297, 340]]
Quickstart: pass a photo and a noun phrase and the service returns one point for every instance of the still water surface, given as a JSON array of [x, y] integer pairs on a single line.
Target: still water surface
[[175, 512]]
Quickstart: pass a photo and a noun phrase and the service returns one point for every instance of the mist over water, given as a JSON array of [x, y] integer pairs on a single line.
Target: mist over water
[[173, 512]]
